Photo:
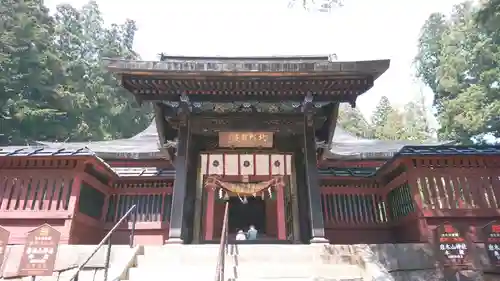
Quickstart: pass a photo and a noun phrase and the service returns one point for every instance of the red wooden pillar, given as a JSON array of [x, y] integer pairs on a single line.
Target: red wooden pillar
[[73, 203], [280, 213], [209, 215]]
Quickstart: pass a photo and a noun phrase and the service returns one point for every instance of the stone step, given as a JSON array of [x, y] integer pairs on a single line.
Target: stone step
[[325, 253], [254, 248], [161, 259], [278, 279], [296, 279], [250, 271]]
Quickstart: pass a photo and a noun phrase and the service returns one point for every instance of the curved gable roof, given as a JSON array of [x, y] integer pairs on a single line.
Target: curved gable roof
[[146, 145]]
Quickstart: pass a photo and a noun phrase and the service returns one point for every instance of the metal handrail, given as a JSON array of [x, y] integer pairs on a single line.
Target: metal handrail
[[107, 239], [219, 271]]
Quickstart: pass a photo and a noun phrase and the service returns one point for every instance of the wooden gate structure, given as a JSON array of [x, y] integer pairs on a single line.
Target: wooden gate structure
[[401, 201], [347, 189]]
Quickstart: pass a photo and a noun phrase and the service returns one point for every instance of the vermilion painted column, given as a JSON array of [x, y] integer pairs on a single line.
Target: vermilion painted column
[[73, 203], [209, 215], [280, 213]]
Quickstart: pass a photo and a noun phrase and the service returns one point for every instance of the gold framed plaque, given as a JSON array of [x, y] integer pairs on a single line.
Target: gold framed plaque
[[246, 139]]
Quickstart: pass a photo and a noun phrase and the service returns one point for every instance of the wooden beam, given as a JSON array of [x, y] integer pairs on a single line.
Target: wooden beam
[[312, 183], [180, 184]]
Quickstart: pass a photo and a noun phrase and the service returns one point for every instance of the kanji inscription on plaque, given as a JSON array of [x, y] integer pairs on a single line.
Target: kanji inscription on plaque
[[492, 242], [39, 254], [246, 139], [452, 245]]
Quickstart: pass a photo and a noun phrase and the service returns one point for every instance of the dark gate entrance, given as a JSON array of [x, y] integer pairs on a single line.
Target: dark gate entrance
[[242, 215]]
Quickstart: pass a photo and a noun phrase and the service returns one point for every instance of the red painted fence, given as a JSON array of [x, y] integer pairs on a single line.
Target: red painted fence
[[410, 197], [81, 198]]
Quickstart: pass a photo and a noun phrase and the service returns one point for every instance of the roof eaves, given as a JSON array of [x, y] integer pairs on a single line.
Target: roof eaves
[[442, 150], [30, 151], [373, 68]]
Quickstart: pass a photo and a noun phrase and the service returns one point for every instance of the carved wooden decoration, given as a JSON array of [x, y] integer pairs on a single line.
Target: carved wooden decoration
[[491, 234]]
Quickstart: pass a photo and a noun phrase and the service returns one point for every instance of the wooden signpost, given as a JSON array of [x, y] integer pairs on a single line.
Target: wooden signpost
[[452, 251], [452, 246], [491, 234], [40, 251]]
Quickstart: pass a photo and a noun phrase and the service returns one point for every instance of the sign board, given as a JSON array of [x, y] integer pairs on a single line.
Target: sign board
[[452, 246], [4, 241], [492, 242], [40, 251], [246, 139]]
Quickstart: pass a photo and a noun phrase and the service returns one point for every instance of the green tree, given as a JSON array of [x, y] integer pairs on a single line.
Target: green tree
[[390, 124], [459, 60], [488, 16], [29, 72], [416, 125], [53, 83], [381, 112], [103, 110], [353, 121]]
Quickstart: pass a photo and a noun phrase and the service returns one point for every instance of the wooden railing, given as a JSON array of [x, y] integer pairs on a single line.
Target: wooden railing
[[351, 205], [223, 245], [153, 199], [154, 203], [29, 194], [408, 200], [445, 189], [80, 205]]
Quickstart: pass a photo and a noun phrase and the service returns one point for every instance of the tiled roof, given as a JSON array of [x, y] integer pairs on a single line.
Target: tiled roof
[[177, 65], [170, 173], [44, 151], [348, 172], [143, 172], [451, 150], [346, 146], [144, 145]]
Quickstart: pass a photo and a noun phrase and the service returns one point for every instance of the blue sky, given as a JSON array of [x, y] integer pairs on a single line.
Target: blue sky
[[362, 29]]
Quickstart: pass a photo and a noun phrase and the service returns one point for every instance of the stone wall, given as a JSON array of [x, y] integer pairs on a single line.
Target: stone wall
[[402, 262], [69, 258]]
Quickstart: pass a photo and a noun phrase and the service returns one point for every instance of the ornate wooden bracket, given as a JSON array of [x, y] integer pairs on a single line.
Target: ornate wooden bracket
[[183, 110], [307, 109]]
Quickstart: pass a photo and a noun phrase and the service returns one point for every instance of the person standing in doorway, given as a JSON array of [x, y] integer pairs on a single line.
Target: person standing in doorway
[[241, 235], [252, 233]]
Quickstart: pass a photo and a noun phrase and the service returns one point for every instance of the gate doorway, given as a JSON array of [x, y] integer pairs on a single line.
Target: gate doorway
[[265, 181], [242, 215]]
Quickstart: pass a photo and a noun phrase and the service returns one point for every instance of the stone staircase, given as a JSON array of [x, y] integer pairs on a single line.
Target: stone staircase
[[250, 262]]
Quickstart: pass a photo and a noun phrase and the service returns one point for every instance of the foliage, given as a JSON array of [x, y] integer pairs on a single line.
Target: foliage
[[388, 123], [459, 59], [53, 85], [353, 121]]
